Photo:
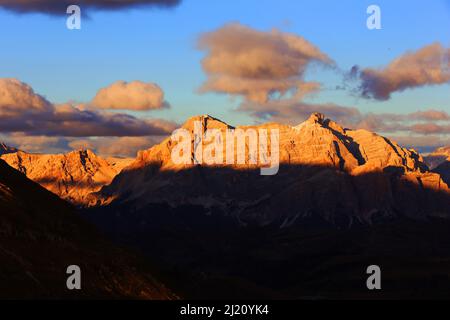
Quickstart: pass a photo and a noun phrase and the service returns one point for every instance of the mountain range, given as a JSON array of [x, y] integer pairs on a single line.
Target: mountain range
[[341, 200], [338, 175], [325, 170], [72, 176]]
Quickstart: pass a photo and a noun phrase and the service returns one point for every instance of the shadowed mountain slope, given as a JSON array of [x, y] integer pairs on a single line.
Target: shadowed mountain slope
[[41, 235]]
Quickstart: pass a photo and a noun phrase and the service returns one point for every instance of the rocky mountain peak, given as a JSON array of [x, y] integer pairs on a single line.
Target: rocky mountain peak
[[316, 117], [437, 157], [444, 151], [207, 122], [72, 176], [4, 148]]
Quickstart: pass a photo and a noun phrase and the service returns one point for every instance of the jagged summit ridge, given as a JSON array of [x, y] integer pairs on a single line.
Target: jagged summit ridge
[[325, 170], [318, 140], [72, 176]]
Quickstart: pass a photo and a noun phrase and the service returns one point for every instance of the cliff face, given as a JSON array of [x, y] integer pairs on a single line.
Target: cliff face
[[327, 171], [71, 176], [41, 235]]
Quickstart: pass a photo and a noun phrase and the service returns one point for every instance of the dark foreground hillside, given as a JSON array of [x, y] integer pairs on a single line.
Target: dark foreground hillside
[[41, 235]]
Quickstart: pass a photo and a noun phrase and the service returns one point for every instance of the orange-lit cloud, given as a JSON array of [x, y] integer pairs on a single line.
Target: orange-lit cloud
[[18, 97], [37, 144], [430, 128], [428, 66], [424, 122], [135, 95], [258, 65], [122, 147], [22, 110], [293, 113]]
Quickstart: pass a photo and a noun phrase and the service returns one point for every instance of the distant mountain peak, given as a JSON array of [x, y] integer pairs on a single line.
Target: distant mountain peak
[[319, 119], [72, 176], [316, 117], [207, 121], [5, 149], [438, 157], [442, 151]]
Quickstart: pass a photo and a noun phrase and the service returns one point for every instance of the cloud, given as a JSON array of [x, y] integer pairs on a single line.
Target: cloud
[[430, 128], [423, 122], [122, 147], [103, 146], [21, 110], [260, 66], [60, 6], [293, 113], [82, 144], [18, 97], [428, 66], [430, 115], [68, 120], [135, 95], [36, 144], [423, 144]]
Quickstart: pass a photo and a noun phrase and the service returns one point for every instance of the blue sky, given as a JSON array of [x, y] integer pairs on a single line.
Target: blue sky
[[159, 45]]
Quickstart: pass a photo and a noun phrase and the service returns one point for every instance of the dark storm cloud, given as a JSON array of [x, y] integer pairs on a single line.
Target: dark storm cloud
[[60, 6], [69, 120]]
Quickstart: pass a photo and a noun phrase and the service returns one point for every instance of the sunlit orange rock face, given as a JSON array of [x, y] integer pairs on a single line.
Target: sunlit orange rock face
[[325, 170], [71, 176], [317, 141]]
